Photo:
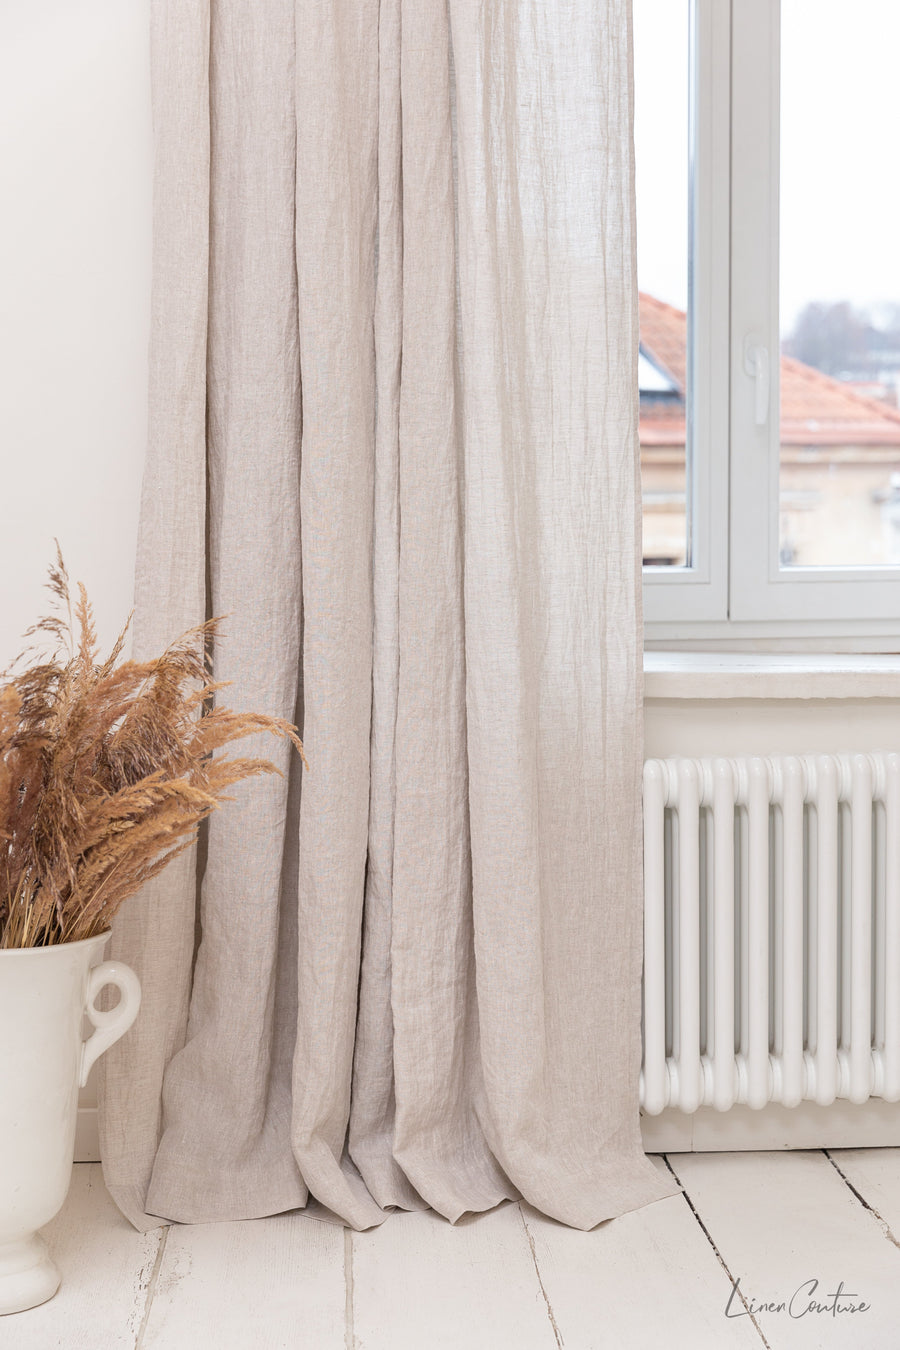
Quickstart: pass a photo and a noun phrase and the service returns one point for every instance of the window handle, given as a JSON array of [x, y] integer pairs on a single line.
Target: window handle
[[756, 365]]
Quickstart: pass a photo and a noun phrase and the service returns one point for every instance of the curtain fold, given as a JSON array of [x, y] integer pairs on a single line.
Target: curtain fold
[[393, 437]]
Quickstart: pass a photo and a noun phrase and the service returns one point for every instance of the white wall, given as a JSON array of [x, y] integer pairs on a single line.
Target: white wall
[[75, 201], [769, 726]]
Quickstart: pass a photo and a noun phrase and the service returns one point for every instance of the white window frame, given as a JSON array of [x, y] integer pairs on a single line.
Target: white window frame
[[699, 593], [734, 593]]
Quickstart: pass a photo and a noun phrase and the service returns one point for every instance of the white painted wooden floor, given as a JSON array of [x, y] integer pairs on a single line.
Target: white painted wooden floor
[[661, 1277]]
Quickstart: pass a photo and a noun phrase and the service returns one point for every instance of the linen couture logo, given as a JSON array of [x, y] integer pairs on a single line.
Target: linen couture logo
[[808, 1300]]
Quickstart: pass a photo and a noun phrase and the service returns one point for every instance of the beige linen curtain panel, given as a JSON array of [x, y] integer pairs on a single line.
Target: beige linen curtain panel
[[393, 437]]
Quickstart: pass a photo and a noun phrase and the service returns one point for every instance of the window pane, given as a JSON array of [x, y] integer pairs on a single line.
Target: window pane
[[840, 284], [661, 60]]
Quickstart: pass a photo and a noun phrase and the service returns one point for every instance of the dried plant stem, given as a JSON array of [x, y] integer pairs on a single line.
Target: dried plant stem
[[106, 770]]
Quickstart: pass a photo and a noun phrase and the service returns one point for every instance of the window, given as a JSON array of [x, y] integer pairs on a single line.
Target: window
[[769, 367]]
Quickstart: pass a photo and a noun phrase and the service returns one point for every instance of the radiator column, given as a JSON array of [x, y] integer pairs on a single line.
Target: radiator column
[[724, 1071], [792, 1066], [758, 898], [860, 1086], [827, 825], [654, 1075], [891, 1053]]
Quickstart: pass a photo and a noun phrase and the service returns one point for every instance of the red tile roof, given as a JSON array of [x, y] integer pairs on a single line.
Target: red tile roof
[[663, 336], [815, 409]]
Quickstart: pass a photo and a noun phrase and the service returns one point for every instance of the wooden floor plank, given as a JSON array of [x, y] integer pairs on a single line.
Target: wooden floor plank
[[510, 1278], [646, 1280], [782, 1220], [875, 1174], [269, 1284], [106, 1268], [420, 1283]]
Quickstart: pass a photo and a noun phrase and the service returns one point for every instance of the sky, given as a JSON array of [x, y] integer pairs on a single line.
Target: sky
[[840, 151]]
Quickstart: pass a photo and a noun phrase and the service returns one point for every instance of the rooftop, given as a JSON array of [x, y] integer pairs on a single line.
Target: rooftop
[[816, 410]]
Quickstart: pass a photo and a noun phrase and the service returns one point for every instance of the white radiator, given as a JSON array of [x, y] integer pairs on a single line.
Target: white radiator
[[771, 931]]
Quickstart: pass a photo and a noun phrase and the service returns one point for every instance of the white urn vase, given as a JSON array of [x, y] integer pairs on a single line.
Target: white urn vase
[[44, 994]]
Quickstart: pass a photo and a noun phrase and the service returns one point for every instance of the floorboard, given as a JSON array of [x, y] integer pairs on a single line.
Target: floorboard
[[420, 1283], [645, 1280], [262, 1284], [875, 1174], [782, 1220]]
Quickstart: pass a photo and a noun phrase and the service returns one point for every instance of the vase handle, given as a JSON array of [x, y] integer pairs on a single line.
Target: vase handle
[[116, 1021]]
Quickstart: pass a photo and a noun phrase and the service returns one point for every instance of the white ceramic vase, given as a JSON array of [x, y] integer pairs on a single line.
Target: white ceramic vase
[[44, 994]]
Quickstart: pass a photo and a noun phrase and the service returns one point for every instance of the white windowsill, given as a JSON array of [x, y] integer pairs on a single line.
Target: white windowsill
[[726, 675]]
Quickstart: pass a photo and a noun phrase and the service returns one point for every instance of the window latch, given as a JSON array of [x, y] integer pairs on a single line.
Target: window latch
[[756, 365]]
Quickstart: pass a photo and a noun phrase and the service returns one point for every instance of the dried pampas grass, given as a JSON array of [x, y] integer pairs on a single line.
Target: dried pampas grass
[[106, 771]]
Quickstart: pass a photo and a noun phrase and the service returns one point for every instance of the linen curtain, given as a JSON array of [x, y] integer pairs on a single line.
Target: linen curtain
[[393, 438]]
